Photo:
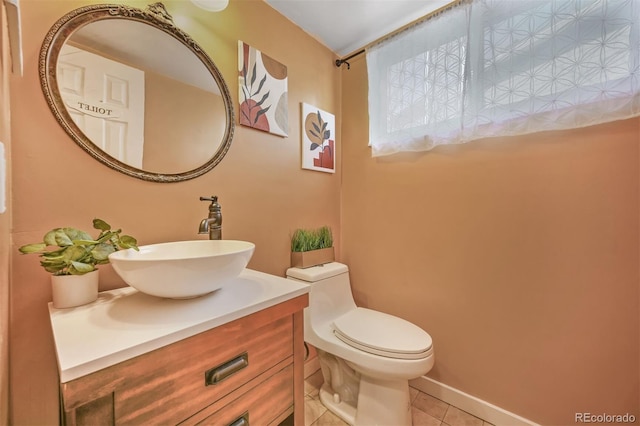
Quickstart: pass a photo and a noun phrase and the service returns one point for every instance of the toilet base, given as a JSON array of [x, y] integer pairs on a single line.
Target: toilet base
[[342, 409], [380, 402], [383, 402]]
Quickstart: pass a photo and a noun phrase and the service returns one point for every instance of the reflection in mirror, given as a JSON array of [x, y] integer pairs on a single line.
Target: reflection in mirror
[[161, 114]]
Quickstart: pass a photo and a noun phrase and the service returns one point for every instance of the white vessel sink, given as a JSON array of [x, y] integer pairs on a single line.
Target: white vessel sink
[[182, 269]]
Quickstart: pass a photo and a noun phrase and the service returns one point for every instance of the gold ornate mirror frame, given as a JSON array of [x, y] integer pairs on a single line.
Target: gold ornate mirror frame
[[156, 16]]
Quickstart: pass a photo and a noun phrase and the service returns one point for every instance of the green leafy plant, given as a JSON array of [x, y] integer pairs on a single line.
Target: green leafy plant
[[311, 239], [70, 251]]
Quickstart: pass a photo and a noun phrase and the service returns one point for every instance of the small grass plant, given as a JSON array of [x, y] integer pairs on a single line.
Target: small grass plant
[[311, 239]]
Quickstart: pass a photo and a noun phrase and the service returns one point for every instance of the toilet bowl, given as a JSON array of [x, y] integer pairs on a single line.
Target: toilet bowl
[[367, 357]]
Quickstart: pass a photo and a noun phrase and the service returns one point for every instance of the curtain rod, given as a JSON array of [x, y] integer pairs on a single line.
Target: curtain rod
[[420, 20], [344, 61]]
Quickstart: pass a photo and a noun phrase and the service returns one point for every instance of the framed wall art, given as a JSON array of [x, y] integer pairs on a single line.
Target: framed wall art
[[318, 139], [262, 91]]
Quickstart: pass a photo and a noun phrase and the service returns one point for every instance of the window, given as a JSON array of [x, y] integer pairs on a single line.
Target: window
[[504, 67]]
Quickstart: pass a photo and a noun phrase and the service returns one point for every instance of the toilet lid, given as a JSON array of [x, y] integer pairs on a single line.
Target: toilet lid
[[382, 334]]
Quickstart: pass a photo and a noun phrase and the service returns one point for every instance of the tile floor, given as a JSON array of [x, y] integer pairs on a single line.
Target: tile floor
[[426, 410]]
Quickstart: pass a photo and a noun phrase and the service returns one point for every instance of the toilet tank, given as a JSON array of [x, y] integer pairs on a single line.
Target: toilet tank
[[330, 294]]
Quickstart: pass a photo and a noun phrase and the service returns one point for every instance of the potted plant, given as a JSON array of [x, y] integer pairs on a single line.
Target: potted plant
[[72, 257], [311, 247]]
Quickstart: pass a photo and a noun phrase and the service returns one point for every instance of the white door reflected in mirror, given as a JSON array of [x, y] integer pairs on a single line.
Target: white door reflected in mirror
[[105, 99]]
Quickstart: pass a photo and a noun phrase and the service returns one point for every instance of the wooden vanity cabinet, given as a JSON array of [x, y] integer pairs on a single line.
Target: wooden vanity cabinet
[[248, 371]]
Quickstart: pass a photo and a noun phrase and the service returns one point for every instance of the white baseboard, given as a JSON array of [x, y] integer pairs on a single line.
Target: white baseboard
[[470, 404]]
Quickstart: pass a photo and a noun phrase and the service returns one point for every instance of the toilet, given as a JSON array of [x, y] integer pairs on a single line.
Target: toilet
[[367, 357]]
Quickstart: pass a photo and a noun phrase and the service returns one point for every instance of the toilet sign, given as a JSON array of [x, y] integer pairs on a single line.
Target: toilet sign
[[93, 110]]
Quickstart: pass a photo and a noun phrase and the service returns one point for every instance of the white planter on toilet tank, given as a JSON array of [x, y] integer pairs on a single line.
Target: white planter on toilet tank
[[367, 357]]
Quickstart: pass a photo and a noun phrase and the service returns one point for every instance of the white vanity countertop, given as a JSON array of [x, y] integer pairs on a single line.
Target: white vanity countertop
[[125, 323]]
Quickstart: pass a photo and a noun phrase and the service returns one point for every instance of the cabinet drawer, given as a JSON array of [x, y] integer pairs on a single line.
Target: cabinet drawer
[[169, 384], [261, 405]]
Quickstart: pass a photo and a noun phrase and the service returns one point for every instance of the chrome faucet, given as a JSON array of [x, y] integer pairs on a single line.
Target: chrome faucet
[[212, 224]]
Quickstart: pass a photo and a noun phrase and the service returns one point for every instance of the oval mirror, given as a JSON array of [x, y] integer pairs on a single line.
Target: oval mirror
[[136, 92]]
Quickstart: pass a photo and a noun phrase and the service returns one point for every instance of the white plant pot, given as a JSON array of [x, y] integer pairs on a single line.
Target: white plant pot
[[74, 290]]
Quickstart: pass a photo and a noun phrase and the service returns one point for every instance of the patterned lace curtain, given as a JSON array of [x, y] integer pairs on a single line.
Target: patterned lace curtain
[[504, 67]]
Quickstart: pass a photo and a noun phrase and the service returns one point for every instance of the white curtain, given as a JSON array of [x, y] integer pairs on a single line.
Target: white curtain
[[504, 67]]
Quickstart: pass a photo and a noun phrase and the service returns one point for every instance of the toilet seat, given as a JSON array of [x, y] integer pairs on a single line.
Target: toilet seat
[[382, 334]]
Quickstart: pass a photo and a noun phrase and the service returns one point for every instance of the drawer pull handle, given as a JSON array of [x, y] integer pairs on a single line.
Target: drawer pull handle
[[243, 420], [221, 372]]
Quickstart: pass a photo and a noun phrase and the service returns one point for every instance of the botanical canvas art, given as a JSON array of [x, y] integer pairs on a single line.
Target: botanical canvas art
[[318, 139], [263, 91]]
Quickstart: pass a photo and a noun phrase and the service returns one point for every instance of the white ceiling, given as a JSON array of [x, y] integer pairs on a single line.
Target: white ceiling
[[346, 26]]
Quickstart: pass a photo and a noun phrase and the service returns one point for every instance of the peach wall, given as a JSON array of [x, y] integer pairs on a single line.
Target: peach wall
[[263, 191], [518, 255], [5, 126], [169, 123]]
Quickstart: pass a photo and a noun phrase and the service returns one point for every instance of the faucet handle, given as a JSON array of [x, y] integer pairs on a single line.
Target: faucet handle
[[214, 207]]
